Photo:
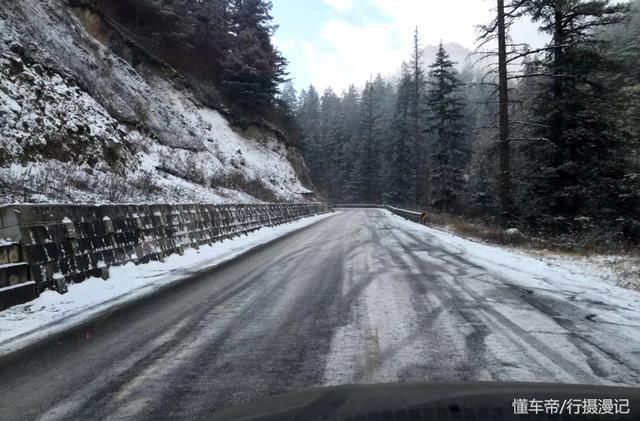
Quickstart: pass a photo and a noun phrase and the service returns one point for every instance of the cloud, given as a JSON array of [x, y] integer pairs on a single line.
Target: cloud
[[340, 6], [450, 20], [285, 45], [352, 47], [352, 53]]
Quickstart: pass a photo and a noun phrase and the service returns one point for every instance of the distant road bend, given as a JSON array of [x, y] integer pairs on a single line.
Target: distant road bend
[[360, 297]]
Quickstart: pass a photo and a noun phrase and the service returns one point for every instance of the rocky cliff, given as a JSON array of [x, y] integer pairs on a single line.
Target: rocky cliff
[[90, 111]]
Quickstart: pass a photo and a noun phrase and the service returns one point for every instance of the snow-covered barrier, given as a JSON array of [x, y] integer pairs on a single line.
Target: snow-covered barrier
[[49, 246]]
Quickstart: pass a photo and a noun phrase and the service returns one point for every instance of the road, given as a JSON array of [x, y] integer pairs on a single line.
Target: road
[[360, 297]]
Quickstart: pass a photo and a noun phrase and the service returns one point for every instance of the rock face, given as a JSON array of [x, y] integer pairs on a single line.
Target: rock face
[[177, 32], [44, 117], [87, 113]]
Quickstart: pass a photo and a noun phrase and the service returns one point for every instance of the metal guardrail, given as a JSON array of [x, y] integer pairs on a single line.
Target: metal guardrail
[[418, 217]]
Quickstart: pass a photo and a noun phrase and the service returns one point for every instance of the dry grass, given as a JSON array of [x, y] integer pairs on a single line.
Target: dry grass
[[254, 187], [478, 231], [54, 181], [619, 269]]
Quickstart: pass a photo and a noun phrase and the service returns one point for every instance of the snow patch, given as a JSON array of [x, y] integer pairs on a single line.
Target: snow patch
[[527, 271]]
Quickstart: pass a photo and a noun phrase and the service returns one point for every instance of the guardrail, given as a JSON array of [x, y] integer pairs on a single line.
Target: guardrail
[[48, 246], [418, 217]]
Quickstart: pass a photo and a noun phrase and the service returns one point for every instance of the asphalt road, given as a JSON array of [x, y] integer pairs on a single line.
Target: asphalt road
[[357, 298]]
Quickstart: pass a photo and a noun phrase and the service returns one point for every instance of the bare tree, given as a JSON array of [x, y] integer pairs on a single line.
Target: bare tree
[[497, 31]]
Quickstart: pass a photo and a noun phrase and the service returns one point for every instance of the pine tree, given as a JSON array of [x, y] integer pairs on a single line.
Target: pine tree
[[289, 98], [384, 101], [350, 174], [329, 142], [504, 175], [308, 118], [624, 42], [364, 169], [450, 149], [211, 30], [506, 55], [401, 188], [574, 157], [253, 68], [416, 126], [625, 106], [480, 195]]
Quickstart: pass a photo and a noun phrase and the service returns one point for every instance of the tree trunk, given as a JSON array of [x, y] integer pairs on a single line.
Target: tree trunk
[[504, 176], [558, 120], [369, 172], [420, 176]]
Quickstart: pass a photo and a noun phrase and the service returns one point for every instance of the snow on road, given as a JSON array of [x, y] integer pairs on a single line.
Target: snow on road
[[361, 297], [439, 307], [527, 272], [417, 304], [52, 312]]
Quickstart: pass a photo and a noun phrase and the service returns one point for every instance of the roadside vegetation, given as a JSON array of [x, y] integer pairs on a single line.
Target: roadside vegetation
[[541, 140], [616, 262]]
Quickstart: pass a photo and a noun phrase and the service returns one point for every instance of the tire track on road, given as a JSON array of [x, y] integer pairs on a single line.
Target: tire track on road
[[510, 293]]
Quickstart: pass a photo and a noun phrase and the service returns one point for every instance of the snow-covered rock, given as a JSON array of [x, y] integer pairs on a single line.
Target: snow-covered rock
[[513, 233], [80, 124]]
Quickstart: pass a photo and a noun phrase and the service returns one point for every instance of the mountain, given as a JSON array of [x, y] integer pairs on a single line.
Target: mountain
[[458, 53], [90, 112]]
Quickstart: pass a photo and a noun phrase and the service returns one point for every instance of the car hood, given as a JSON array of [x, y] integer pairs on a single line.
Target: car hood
[[444, 401]]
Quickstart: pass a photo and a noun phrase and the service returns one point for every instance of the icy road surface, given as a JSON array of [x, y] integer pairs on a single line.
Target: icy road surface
[[360, 297]]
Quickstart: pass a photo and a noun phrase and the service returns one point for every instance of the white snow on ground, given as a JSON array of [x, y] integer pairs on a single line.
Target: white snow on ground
[[616, 269], [431, 306], [52, 312], [598, 311], [620, 270], [565, 274], [530, 272], [383, 316]]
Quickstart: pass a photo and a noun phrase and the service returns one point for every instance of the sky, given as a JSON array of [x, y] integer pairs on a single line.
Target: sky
[[339, 42]]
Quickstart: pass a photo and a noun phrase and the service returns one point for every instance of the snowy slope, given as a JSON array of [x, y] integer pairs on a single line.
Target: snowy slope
[[74, 116]]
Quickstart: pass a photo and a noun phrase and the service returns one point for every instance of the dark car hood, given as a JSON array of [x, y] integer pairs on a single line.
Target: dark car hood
[[446, 401]]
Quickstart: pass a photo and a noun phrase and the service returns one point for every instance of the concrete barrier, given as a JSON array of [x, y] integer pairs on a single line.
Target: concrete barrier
[[49, 246]]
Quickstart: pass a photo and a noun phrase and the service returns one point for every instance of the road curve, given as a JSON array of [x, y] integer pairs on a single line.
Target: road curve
[[360, 297]]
